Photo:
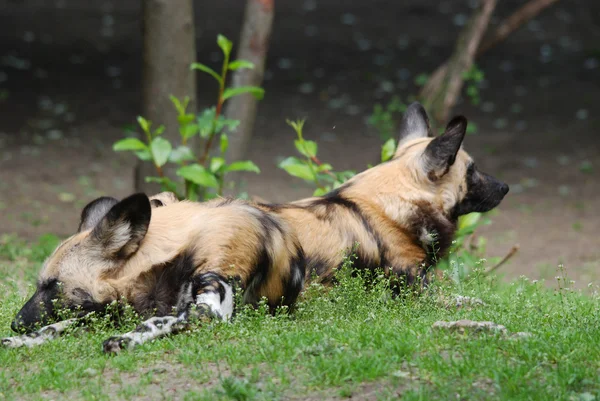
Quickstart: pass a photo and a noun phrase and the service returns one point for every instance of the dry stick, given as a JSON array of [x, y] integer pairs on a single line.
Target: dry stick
[[512, 23], [443, 97], [509, 255], [508, 26]]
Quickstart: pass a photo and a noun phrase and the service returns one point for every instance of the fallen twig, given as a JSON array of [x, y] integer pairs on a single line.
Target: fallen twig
[[509, 255]]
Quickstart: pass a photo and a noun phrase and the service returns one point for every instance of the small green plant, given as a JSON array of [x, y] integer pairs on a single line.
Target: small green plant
[[309, 167], [203, 175], [383, 118], [472, 79]]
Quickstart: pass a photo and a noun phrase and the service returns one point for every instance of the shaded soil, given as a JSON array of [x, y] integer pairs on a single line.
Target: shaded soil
[[70, 75]]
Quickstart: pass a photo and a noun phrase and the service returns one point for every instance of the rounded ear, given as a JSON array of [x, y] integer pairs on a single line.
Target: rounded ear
[[121, 230], [414, 124], [95, 211], [441, 153]]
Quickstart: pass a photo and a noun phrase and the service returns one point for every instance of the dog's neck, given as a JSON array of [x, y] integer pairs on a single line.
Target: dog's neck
[[421, 215]]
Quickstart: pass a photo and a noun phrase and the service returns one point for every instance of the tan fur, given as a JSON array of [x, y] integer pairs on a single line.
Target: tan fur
[[388, 195], [226, 237]]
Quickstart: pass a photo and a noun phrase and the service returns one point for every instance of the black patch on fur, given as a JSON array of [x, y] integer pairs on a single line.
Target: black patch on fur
[[202, 282], [94, 211], [134, 210], [441, 152], [39, 309], [484, 193], [428, 218], [142, 328], [335, 199], [292, 289], [165, 282], [317, 266]]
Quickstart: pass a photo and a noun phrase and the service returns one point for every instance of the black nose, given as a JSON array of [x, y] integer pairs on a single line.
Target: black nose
[[504, 189], [16, 325]]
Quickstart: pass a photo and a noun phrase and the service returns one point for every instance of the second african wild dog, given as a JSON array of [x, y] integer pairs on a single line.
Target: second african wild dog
[[404, 212], [171, 263]]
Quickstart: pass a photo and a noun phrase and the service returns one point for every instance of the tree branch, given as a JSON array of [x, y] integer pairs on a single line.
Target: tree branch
[[506, 27]]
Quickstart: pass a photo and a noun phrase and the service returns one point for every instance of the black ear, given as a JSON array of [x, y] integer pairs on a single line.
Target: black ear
[[95, 211], [125, 225], [441, 152], [414, 124]]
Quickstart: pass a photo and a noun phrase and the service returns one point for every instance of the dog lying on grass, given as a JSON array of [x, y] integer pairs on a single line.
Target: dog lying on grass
[[176, 262]]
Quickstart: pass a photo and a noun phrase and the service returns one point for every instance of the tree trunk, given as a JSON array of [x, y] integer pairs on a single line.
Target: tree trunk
[[506, 27], [169, 49], [253, 46], [439, 96]]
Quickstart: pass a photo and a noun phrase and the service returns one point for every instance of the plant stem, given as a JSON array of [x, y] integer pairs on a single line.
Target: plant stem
[[159, 170], [219, 108], [319, 163]]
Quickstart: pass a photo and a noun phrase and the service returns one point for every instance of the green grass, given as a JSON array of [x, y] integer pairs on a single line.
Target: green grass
[[353, 340]]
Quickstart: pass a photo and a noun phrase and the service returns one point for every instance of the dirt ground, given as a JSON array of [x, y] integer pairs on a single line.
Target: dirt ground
[[70, 80]]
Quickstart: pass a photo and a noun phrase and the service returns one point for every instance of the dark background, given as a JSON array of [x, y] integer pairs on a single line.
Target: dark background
[[70, 81]]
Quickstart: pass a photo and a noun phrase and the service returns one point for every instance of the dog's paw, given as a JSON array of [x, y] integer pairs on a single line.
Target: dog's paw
[[7, 343], [114, 345]]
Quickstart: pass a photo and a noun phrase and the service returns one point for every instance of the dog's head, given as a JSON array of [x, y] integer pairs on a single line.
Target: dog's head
[[109, 233], [439, 165]]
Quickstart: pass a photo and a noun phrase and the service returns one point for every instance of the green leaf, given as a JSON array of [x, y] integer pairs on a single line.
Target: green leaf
[[321, 191], [216, 163], [225, 122], [237, 64], [297, 168], [159, 130], [181, 107], [297, 126], [180, 154], [240, 90], [224, 145], [143, 154], [188, 131], [306, 148], [129, 144], [245, 165], [185, 119], [421, 79], [225, 45], [198, 175], [145, 124], [206, 69], [467, 224], [324, 167], [161, 149], [205, 122], [166, 183], [388, 149]]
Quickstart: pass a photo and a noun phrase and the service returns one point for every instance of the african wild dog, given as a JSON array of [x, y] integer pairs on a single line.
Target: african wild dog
[[173, 263], [404, 212]]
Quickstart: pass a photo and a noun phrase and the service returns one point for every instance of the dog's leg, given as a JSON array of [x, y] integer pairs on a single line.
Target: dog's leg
[[206, 296], [38, 337]]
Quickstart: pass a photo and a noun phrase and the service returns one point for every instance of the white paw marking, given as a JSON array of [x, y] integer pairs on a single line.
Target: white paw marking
[[41, 336]]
